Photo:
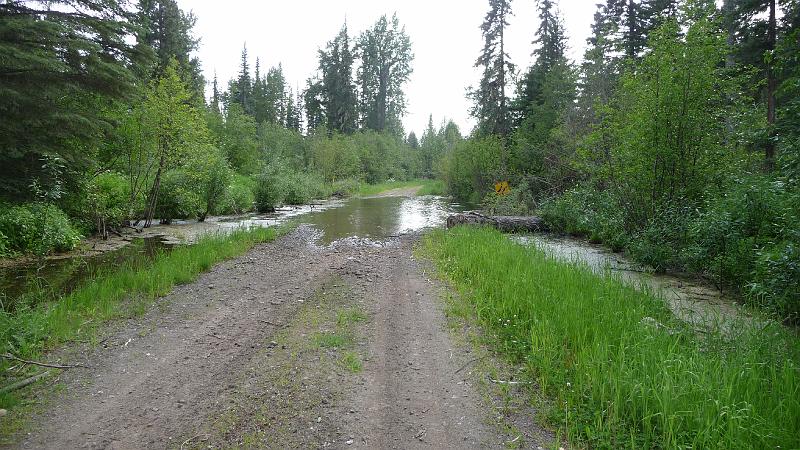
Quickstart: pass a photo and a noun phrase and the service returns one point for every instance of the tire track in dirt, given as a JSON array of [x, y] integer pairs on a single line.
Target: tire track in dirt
[[228, 361]]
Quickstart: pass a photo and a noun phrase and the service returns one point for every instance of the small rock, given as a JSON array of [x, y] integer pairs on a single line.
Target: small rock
[[211, 286], [349, 442], [3, 412]]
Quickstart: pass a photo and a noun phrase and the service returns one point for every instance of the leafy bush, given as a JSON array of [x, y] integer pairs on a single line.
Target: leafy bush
[[5, 249], [38, 228], [345, 188], [109, 199], [472, 168], [239, 197], [776, 278], [269, 191], [517, 203], [585, 211], [179, 197]]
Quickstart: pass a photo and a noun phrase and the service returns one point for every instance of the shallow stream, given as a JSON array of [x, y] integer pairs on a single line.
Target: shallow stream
[[372, 218]]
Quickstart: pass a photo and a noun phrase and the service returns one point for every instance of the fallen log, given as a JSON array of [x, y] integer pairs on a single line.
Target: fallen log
[[506, 224]]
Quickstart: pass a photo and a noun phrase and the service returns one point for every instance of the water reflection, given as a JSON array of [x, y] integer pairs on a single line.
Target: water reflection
[[49, 279], [381, 217], [371, 218], [690, 300]]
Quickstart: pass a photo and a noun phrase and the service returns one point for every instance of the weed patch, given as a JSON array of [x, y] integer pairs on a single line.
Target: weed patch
[[614, 379]]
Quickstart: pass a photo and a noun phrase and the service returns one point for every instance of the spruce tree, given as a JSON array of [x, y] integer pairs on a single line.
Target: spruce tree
[[491, 104], [62, 64], [336, 67], [168, 30]]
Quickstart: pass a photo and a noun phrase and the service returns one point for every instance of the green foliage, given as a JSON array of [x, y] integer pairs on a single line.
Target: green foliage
[[238, 140], [586, 211], [179, 198], [240, 195], [269, 190], [345, 188], [30, 330], [108, 197], [472, 168], [63, 63], [37, 228], [617, 381], [335, 158]]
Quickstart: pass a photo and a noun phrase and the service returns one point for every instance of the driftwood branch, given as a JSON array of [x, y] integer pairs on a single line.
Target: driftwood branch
[[507, 224], [41, 364], [21, 384]]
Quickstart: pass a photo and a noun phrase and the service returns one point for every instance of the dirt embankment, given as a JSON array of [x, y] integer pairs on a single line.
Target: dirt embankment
[[290, 346]]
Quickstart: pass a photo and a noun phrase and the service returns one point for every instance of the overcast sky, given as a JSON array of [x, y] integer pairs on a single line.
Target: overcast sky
[[445, 37]]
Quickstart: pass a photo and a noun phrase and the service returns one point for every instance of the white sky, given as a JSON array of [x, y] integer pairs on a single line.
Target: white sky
[[445, 37]]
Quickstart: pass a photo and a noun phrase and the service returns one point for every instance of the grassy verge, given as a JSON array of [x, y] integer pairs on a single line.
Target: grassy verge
[[123, 292], [619, 369], [428, 187]]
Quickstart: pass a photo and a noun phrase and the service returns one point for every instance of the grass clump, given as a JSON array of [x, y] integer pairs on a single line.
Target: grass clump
[[29, 331], [351, 361], [614, 378]]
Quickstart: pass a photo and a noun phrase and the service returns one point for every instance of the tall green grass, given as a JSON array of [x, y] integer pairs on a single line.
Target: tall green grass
[[427, 187], [618, 368], [120, 293]]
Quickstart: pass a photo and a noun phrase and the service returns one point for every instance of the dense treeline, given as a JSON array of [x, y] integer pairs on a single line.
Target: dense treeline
[[677, 138], [105, 122]]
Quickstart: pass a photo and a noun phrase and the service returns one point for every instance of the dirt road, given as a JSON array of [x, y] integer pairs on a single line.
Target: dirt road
[[290, 346]]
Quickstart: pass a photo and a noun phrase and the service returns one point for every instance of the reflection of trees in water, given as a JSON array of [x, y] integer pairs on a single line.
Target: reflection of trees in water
[[29, 284]]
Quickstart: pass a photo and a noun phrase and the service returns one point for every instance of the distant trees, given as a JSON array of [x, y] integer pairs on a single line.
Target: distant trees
[[386, 58], [337, 88]]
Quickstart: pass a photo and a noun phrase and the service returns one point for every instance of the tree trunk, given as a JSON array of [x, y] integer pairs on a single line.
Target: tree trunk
[[507, 224], [153, 200]]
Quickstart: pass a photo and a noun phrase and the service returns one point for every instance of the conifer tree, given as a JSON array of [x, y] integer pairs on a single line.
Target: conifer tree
[[168, 30], [336, 67], [491, 104], [240, 90], [62, 64]]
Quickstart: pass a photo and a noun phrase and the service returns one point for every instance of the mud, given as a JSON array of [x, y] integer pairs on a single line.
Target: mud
[[294, 345]]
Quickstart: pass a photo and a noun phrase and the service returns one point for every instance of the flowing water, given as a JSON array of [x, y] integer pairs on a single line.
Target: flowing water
[[374, 218], [691, 300]]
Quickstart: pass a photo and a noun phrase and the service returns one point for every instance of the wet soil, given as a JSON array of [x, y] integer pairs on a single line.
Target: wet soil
[[293, 345]]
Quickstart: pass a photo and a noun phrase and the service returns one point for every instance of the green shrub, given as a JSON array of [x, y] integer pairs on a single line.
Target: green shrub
[[109, 199], [776, 278], [178, 197], [37, 228], [518, 202], [5, 249], [301, 188], [472, 168], [585, 211], [345, 188], [240, 196], [269, 190]]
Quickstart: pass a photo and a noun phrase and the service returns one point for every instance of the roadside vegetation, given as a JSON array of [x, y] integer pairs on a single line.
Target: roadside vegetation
[[136, 139], [426, 187], [658, 143], [615, 367], [34, 328]]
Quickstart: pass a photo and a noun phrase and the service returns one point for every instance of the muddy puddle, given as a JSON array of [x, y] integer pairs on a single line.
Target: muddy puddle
[[375, 218], [691, 300]]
